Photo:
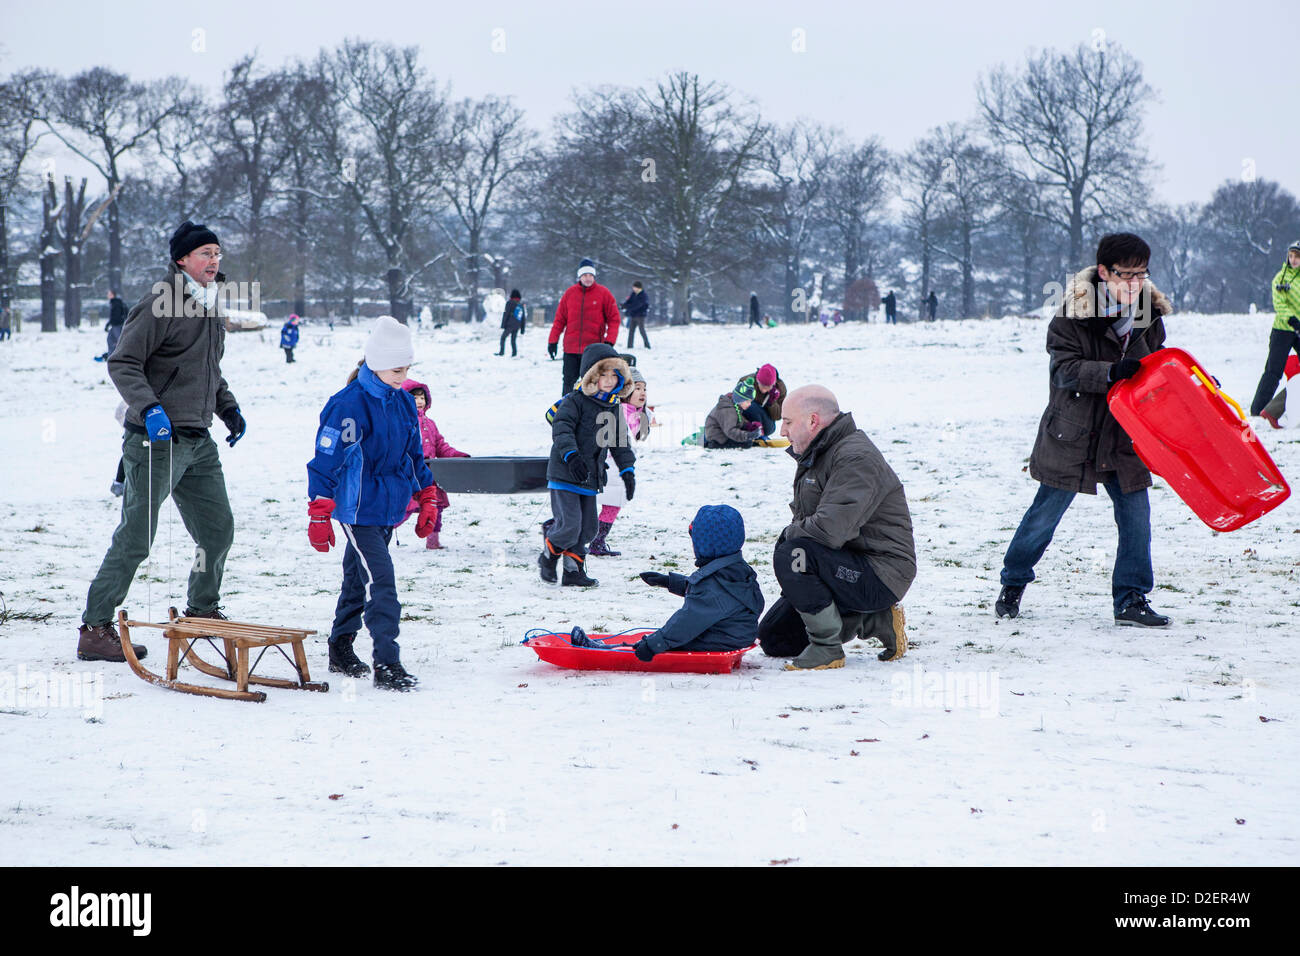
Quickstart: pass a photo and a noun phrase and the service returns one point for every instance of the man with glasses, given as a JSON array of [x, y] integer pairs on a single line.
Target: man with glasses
[[1111, 318], [167, 367]]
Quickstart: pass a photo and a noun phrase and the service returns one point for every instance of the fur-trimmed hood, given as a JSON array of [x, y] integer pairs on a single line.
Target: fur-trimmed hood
[[596, 360], [1081, 297]]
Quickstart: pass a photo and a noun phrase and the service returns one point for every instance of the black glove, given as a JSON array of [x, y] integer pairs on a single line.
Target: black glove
[[1124, 368], [629, 484], [1294, 323], [642, 651], [552, 348], [655, 579], [235, 422], [578, 469]]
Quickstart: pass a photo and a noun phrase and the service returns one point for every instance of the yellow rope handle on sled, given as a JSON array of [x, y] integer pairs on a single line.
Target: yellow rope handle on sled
[[1214, 389]]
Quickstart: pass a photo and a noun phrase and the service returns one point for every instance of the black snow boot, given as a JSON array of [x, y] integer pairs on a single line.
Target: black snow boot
[[547, 561], [1008, 604], [343, 660], [575, 573], [598, 546], [393, 677]]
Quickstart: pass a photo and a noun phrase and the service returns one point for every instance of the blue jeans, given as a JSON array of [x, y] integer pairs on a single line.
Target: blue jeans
[[757, 413], [369, 589], [1132, 576]]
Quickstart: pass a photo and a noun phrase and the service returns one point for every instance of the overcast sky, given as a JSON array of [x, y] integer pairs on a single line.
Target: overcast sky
[[1225, 74]]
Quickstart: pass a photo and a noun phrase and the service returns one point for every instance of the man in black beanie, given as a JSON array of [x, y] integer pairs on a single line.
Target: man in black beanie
[[167, 368]]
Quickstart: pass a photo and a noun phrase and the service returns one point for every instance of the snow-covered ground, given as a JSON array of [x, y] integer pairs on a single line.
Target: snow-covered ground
[[1054, 739]]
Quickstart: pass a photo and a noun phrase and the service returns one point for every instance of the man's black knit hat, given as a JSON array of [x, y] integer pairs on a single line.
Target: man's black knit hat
[[189, 237]]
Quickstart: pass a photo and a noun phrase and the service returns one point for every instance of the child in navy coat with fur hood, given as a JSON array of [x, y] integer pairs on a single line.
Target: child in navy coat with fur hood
[[723, 599], [369, 462]]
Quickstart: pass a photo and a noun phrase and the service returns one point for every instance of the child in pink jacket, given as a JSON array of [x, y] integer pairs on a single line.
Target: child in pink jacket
[[613, 499], [435, 446]]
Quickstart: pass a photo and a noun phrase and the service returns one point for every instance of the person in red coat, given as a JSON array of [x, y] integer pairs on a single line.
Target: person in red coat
[[587, 314]]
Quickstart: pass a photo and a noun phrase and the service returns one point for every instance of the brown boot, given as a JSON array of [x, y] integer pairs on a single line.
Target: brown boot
[[101, 643]]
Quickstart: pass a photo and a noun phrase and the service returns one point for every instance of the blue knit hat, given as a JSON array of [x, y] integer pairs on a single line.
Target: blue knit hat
[[586, 265], [717, 530]]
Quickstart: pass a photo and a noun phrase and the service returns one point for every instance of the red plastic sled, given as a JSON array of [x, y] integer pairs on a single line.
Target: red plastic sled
[[556, 649], [1191, 433]]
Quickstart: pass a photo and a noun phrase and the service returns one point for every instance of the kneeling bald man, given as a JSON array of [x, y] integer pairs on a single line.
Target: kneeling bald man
[[847, 557]]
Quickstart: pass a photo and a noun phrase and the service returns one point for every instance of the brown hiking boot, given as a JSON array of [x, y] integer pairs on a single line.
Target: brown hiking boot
[[101, 643], [896, 642]]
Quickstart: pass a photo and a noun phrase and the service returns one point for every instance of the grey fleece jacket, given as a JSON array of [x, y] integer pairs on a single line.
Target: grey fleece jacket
[[170, 353]]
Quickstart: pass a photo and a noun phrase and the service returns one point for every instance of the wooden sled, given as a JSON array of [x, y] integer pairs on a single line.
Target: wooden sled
[[183, 633]]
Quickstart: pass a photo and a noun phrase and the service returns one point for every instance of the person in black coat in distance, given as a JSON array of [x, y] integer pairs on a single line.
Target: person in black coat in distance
[[890, 303], [512, 322], [753, 311], [116, 319], [636, 307], [932, 304]]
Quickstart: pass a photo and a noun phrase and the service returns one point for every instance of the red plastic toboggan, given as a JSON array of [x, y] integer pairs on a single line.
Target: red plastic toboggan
[[555, 648], [1188, 431]]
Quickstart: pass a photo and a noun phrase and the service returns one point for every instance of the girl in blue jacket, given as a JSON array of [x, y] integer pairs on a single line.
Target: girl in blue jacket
[[369, 462]]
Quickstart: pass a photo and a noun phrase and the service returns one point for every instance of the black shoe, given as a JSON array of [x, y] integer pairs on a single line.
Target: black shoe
[[344, 660], [214, 615], [547, 562], [1009, 600], [1138, 612], [575, 574], [393, 677]]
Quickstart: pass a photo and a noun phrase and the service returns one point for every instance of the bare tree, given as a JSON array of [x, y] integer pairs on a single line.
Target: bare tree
[[1177, 250], [49, 254], [489, 145], [1075, 121], [251, 148], [302, 175], [21, 97], [384, 138], [184, 141], [854, 195], [921, 173], [71, 238], [672, 166], [793, 165], [971, 177], [102, 116], [1250, 225]]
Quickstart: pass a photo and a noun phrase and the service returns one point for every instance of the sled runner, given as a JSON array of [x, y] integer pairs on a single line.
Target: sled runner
[[556, 648], [489, 476], [183, 633], [1188, 431]]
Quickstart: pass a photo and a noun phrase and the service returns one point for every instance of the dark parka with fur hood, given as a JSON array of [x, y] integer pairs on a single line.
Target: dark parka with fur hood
[[591, 426], [1079, 441]]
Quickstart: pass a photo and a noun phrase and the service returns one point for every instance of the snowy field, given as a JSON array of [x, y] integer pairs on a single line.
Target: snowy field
[[1058, 738]]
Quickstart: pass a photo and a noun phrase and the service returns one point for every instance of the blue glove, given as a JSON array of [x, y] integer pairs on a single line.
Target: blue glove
[[157, 424], [642, 651], [235, 422]]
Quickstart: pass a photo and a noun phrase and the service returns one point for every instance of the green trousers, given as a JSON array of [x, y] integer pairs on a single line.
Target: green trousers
[[189, 468]]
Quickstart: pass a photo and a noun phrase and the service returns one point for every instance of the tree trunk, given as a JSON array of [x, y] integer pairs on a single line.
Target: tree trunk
[[967, 274], [48, 255], [6, 290], [396, 307], [72, 210], [925, 269], [114, 240], [471, 269], [1076, 229], [681, 304], [350, 261]]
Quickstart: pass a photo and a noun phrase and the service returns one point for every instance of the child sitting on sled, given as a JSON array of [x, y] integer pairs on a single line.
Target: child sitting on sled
[[613, 498], [723, 600], [369, 460], [435, 446]]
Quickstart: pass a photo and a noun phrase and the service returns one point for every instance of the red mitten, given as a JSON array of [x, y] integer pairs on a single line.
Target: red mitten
[[428, 511], [320, 530]]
